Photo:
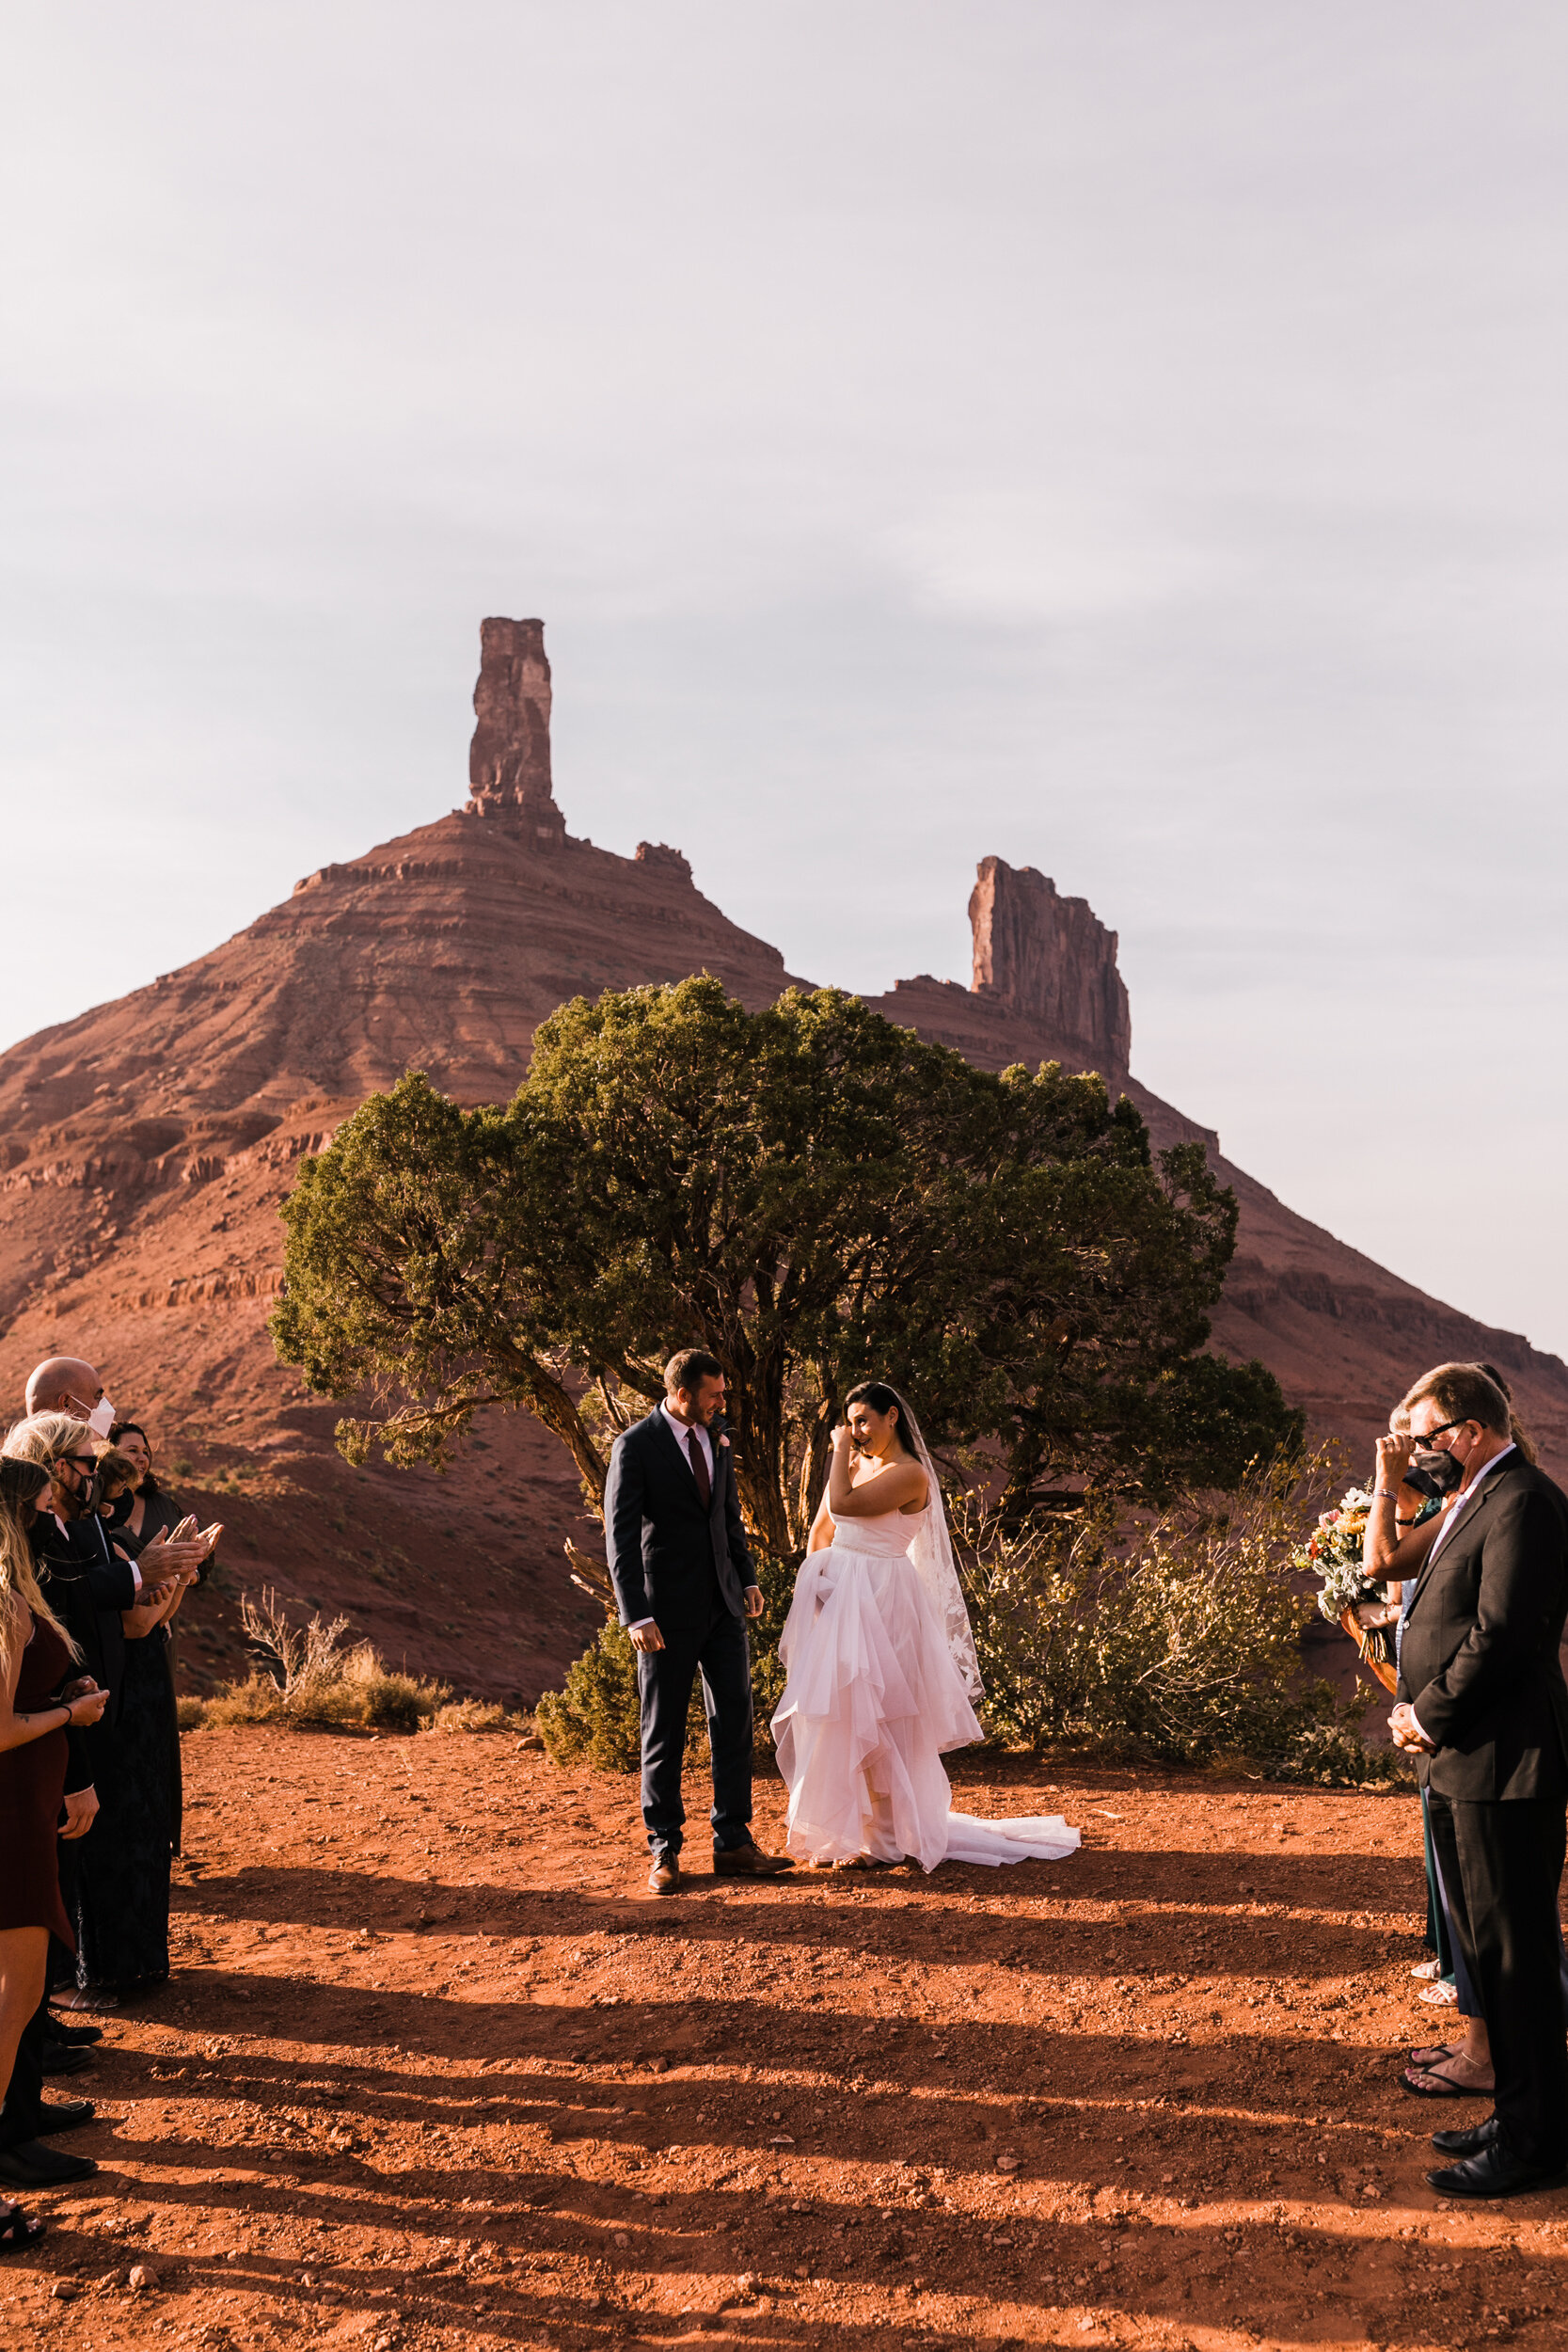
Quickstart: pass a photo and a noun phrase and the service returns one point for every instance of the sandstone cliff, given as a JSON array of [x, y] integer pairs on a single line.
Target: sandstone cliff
[[146, 1145]]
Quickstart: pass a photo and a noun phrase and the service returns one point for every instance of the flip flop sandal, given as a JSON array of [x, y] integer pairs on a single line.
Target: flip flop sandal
[[1427, 1971], [19, 2229], [1424, 2060], [1427, 2082], [866, 1862], [1438, 1995]]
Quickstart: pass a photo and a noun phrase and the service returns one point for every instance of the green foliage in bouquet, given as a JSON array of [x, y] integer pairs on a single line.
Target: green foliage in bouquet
[[1178, 1640]]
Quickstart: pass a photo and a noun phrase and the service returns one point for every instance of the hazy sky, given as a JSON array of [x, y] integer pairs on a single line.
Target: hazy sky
[[1127, 439]]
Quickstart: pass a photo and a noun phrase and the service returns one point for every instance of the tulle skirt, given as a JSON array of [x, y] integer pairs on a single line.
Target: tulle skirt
[[872, 1702]]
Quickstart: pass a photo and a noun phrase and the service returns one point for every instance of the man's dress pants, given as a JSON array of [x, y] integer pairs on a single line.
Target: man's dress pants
[[718, 1651], [1501, 1866]]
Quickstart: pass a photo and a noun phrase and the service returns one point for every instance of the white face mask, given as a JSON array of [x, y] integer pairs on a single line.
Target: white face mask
[[102, 1418]]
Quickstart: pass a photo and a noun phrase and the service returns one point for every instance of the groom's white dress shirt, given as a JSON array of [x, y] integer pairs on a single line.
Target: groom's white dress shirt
[[682, 1432]]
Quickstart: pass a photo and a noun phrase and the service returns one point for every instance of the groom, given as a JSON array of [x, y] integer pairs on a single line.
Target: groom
[[684, 1586]]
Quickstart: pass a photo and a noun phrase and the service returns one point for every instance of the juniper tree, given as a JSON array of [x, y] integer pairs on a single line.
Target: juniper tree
[[811, 1193]]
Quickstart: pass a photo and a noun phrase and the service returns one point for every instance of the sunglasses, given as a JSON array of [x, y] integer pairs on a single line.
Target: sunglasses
[[77, 1461], [1427, 1435]]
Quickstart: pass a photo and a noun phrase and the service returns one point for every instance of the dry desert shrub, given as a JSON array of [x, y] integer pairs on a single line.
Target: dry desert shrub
[[476, 1715], [310, 1677]]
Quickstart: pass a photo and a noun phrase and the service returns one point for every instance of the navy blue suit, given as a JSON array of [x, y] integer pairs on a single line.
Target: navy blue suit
[[685, 1564]]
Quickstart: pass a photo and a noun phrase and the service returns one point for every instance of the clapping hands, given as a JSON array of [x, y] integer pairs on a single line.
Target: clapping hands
[[180, 1555]]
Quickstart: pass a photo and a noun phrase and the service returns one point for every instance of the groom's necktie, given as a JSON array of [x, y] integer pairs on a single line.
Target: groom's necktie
[[699, 1466]]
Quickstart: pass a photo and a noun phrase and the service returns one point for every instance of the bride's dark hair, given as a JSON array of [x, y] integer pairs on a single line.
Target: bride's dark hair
[[882, 1399]]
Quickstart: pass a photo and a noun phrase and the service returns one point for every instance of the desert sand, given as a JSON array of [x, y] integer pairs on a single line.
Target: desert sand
[[435, 2070]]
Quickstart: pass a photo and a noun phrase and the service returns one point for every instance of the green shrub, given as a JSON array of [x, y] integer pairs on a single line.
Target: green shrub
[[1335, 1755], [1178, 1640], [593, 1719]]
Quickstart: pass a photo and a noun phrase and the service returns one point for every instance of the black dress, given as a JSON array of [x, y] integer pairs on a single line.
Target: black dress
[[122, 1880]]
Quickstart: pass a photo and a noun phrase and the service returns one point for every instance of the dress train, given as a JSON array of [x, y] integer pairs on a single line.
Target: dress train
[[873, 1699]]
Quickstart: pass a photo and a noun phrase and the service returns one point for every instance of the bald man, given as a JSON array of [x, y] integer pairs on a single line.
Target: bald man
[[68, 1384]]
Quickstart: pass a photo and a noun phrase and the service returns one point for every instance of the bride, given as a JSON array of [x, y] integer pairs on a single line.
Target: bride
[[881, 1676]]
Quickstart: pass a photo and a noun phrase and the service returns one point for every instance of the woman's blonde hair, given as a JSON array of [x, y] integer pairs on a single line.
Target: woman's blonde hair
[[44, 1437], [23, 1481]]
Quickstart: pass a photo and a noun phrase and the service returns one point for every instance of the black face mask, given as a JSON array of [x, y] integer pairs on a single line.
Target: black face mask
[[86, 1495], [1436, 1473]]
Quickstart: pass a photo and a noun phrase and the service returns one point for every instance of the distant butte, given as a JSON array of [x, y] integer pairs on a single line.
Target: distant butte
[[145, 1147]]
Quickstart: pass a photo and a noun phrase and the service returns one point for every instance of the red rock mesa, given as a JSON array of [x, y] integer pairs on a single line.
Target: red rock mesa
[[145, 1147]]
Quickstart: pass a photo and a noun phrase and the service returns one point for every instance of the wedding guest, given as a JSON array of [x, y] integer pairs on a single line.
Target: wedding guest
[[110, 1609], [144, 1513], [90, 1585], [1396, 1542], [117, 1479], [68, 1384], [1484, 1709], [123, 1893], [147, 1510], [41, 1702]]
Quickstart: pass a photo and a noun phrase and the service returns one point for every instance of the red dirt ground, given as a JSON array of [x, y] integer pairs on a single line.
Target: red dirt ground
[[435, 2070]]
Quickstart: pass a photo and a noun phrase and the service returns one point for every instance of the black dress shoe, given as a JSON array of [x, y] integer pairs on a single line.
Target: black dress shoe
[[60, 2059], [73, 2035], [34, 2165], [748, 1862], [64, 2115], [1466, 2143], [1493, 2172]]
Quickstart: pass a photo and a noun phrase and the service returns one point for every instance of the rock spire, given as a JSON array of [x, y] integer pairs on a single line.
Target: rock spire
[[1051, 960], [509, 759]]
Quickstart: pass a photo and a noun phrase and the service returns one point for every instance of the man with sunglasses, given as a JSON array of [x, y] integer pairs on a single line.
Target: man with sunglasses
[[1483, 1708]]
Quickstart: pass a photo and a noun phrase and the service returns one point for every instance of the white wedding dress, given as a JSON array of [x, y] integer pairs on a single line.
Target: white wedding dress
[[880, 1681]]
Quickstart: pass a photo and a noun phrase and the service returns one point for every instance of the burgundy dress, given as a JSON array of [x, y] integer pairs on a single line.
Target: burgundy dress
[[32, 1785]]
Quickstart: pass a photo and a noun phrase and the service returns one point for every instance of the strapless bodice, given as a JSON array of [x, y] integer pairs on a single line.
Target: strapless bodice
[[887, 1535]]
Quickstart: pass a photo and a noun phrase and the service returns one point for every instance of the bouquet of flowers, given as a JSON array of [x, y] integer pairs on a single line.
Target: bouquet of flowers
[[1334, 1555]]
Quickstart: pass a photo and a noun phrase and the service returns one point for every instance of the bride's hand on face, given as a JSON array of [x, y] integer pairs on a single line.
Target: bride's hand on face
[[842, 1437]]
